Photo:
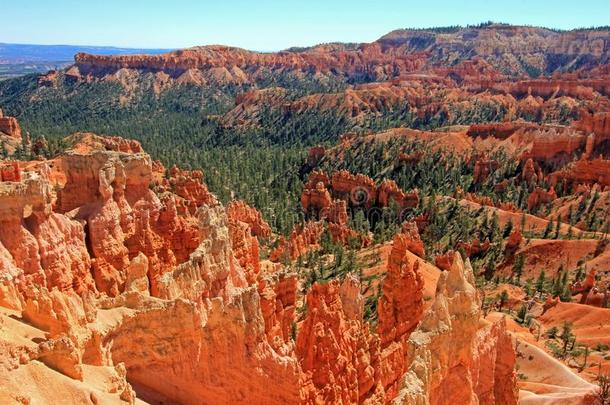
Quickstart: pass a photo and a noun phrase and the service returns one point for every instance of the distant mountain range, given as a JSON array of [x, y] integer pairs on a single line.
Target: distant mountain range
[[19, 59]]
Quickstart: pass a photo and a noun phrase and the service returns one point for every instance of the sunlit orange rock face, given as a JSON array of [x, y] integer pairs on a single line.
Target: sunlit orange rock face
[[245, 225], [473, 360], [10, 126], [475, 247], [474, 56], [164, 297], [302, 239], [226, 62], [341, 359], [358, 191], [482, 169], [109, 193], [596, 171], [596, 123], [389, 190], [316, 199], [338, 354], [10, 171], [400, 309], [119, 278], [540, 196]]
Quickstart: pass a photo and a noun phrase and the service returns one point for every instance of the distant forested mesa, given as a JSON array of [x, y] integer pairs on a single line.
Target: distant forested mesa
[[20, 59]]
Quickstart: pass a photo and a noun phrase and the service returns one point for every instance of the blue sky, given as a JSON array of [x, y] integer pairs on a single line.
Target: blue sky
[[267, 25]]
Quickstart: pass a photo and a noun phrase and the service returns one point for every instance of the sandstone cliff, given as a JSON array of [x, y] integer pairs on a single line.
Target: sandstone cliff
[[119, 283]]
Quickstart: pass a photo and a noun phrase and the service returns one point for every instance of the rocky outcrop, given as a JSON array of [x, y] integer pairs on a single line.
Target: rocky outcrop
[[539, 197], [10, 171], [475, 55], [245, 224], [596, 171], [453, 357], [399, 309], [125, 282], [358, 191], [474, 248], [596, 123], [483, 167], [129, 283], [500, 45], [339, 357], [225, 64], [500, 130], [10, 126], [190, 187], [531, 172], [303, 238], [389, 190], [514, 240], [316, 199], [242, 212]]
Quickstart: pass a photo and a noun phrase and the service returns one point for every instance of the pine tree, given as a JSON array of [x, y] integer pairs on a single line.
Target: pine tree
[[540, 282], [518, 266], [507, 229], [522, 314], [548, 229], [557, 228], [503, 298], [566, 335]]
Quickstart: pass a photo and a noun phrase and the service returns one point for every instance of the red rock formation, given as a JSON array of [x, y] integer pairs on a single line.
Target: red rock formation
[[586, 288], [389, 190], [514, 239], [241, 211], [10, 126], [456, 356], [548, 143], [337, 213], [224, 63], [81, 273], [359, 190], [347, 237], [278, 304], [596, 123], [10, 171], [189, 185], [444, 261], [86, 142], [531, 172], [49, 78], [474, 248], [540, 196], [133, 235], [399, 309], [583, 171], [341, 361], [316, 199], [413, 241], [302, 239], [317, 177], [337, 353], [245, 223], [48, 249], [483, 167], [501, 130]]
